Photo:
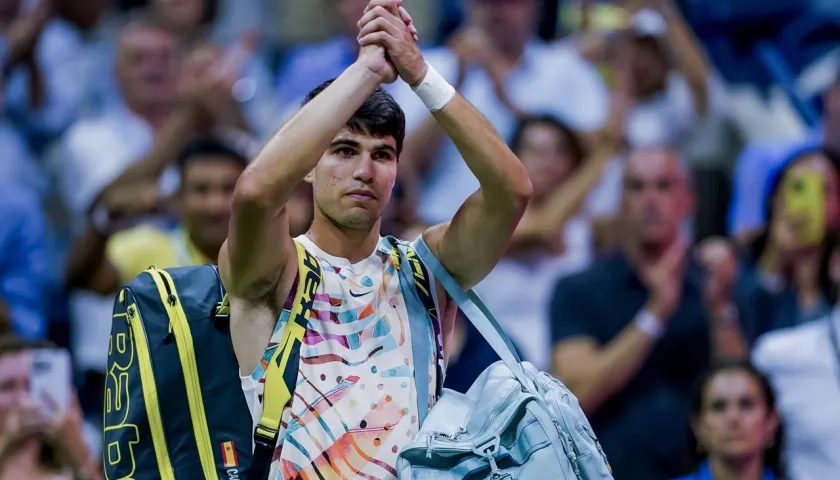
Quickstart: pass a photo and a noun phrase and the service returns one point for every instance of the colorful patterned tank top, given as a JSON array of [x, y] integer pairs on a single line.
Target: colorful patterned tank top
[[355, 403]]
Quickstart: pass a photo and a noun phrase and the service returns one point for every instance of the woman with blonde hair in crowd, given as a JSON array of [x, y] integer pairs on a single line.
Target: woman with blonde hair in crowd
[[735, 426]]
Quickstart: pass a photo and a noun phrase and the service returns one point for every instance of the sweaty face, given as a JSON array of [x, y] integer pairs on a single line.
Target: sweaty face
[[655, 198], [734, 420], [547, 155], [146, 66], [507, 21], [206, 194], [352, 182], [183, 14], [14, 381]]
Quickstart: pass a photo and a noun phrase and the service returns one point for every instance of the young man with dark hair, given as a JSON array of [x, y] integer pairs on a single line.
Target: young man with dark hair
[[355, 402], [209, 167]]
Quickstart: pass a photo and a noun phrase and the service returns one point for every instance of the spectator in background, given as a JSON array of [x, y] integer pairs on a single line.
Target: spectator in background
[[191, 22], [633, 331], [101, 261], [135, 144], [674, 89], [674, 85], [51, 42], [803, 365], [37, 443], [552, 240], [24, 263], [735, 425], [495, 62], [306, 67], [784, 276], [757, 162]]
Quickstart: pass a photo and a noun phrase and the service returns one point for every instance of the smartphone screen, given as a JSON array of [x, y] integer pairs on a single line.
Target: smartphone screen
[[805, 202], [51, 378]]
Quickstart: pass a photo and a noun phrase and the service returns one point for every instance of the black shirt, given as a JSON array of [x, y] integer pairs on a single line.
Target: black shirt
[[644, 427]]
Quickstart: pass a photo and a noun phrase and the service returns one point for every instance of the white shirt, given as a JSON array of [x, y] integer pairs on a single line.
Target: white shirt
[[552, 79], [92, 154], [519, 292], [803, 367], [669, 117]]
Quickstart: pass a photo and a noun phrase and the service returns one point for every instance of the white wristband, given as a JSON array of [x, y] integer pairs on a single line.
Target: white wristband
[[649, 324], [434, 91]]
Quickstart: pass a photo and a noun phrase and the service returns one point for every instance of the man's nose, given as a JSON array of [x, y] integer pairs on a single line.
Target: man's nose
[[364, 169]]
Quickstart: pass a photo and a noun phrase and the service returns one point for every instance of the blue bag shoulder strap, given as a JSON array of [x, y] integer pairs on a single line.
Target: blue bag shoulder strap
[[420, 326], [476, 312]]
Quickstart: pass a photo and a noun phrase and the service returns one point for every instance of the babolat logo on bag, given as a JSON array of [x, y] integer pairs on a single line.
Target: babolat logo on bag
[[170, 354]]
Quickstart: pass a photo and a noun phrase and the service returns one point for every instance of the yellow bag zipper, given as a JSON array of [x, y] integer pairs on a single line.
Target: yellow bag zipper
[[179, 325], [150, 393]]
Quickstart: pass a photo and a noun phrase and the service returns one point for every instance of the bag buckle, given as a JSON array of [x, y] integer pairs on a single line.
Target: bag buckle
[[488, 450], [265, 438]]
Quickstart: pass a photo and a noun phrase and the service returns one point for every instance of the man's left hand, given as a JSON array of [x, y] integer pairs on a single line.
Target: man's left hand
[[387, 23]]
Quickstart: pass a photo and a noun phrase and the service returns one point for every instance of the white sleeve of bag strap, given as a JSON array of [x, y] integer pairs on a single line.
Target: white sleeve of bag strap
[[434, 91], [649, 324]]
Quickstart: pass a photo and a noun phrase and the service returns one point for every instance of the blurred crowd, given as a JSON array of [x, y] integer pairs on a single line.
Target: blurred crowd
[[660, 270]]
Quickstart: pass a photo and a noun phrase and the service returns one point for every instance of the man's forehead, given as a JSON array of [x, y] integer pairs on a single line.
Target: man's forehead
[[654, 163], [143, 35]]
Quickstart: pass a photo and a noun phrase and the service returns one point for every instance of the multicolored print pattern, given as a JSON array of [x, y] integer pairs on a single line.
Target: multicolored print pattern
[[355, 403]]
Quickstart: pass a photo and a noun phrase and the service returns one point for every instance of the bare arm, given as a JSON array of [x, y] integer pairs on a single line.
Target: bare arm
[[690, 56], [170, 140], [88, 267], [594, 372], [536, 225], [470, 245]]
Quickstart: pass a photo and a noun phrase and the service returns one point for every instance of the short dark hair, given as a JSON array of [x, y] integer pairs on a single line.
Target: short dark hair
[[573, 140], [380, 115], [210, 145]]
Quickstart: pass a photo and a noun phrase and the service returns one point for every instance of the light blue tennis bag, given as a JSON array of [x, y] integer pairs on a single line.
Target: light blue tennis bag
[[514, 423]]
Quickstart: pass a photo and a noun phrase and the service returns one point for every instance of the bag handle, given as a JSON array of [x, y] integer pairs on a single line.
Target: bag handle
[[477, 313]]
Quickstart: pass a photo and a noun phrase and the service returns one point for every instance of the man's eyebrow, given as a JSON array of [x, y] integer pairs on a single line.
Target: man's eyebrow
[[345, 141], [385, 147]]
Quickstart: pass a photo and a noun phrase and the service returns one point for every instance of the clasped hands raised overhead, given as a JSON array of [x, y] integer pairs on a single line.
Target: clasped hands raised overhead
[[388, 40]]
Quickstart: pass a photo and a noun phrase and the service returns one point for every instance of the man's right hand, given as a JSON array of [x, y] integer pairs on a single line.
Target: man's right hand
[[664, 281], [388, 25], [374, 58]]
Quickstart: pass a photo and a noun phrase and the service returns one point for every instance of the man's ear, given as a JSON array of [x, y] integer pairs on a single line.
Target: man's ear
[[310, 177]]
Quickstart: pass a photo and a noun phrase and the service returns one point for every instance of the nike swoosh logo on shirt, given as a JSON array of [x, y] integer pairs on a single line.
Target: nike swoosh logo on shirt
[[357, 295]]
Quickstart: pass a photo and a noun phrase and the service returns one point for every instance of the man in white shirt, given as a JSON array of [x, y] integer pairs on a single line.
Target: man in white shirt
[[803, 364]]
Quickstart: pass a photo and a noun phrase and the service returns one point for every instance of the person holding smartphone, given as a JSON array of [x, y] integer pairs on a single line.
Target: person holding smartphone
[[784, 272], [40, 419]]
